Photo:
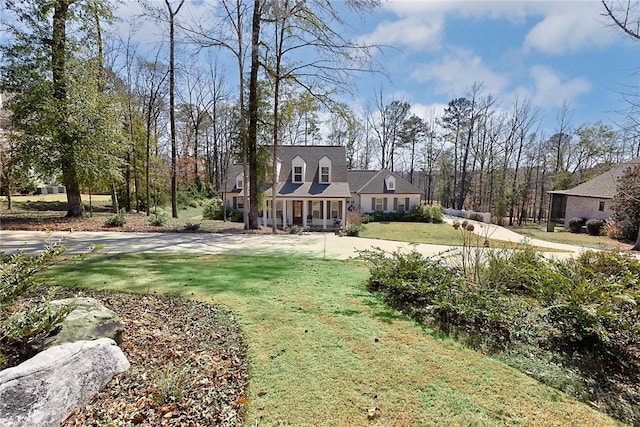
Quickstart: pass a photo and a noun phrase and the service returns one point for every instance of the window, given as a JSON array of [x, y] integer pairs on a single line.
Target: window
[[400, 205], [378, 205], [324, 174], [239, 182], [238, 202], [601, 207], [298, 170], [390, 182], [316, 209], [325, 170], [335, 209]]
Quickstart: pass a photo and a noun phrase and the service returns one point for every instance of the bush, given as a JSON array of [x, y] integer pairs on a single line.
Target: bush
[[213, 209], [575, 225], [294, 229], [20, 333], [157, 220], [117, 220], [594, 226], [421, 213], [436, 214], [614, 231], [192, 226], [354, 230], [236, 216]]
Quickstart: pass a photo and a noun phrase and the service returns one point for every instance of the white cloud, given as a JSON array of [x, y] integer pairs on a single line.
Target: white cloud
[[455, 73], [575, 26], [417, 32], [552, 91]]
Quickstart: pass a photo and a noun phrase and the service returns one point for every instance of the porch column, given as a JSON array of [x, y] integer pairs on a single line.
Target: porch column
[[304, 213], [324, 213], [264, 213], [284, 214], [343, 219]]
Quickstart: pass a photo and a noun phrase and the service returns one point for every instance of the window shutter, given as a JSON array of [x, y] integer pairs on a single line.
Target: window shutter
[[373, 203], [384, 204], [395, 203], [406, 204]]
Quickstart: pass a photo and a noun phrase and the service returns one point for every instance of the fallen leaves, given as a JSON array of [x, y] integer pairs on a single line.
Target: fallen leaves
[[187, 366]]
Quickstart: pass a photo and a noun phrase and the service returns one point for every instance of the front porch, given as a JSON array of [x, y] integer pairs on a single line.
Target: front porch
[[310, 214]]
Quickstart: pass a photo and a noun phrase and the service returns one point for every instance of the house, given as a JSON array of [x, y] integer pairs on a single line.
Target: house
[[312, 189], [383, 191], [589, 200]]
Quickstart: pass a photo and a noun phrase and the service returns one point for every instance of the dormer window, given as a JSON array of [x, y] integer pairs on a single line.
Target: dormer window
[[298, 167], [239, 182], [325, 170], [390, 182]]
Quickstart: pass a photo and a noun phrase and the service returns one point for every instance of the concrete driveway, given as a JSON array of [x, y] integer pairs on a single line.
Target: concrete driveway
[[313, 245]]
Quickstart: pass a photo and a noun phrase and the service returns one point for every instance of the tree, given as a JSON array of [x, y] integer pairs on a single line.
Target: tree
[[625, 15], [172, 104], [626, 205], [57, 108]]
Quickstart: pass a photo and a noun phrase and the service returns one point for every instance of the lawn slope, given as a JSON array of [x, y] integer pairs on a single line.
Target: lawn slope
[[324, 351]]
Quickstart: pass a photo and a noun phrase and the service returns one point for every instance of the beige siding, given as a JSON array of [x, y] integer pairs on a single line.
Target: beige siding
[[586, 207]]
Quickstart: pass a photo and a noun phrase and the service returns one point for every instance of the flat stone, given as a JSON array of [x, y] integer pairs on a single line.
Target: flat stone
[[43, 390], [89, 320]]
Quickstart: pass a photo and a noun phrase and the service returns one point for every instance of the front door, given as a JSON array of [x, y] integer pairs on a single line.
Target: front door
[[297, 212]]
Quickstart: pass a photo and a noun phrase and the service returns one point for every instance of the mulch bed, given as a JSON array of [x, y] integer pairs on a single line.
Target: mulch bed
[[187, 361]]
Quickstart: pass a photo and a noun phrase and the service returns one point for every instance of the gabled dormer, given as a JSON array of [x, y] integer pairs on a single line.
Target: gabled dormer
[[239, 181], [298, 170], [324, 166], [390, 183]]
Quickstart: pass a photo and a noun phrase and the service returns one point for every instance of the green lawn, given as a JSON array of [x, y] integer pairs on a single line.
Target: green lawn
[[323, 350], [564, 236], [435, 234]]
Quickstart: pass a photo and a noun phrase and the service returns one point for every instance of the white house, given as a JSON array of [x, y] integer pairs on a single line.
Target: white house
[[382, 191]]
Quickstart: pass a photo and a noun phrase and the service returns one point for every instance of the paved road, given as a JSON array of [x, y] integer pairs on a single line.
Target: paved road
[[313, 245]]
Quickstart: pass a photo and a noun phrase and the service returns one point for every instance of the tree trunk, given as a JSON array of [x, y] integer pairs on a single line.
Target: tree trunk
[[636, 247], [58, 54], [252, 137]]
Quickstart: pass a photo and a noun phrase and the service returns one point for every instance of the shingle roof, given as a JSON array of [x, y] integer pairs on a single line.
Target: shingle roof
[[311, 154], [372, 182], [603, 186]]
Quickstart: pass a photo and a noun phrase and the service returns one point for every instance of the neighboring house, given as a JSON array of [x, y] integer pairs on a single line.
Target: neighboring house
[[589, 200], [312, 189], [383, 191]]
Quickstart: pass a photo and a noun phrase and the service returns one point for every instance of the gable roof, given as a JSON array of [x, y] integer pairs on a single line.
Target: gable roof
[[603, 186], [311, 187], [373, 182]]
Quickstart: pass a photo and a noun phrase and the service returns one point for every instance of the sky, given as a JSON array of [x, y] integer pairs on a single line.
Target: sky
[[549, 52]]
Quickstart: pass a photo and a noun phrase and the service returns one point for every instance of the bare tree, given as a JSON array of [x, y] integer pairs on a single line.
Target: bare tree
[[624, 14]]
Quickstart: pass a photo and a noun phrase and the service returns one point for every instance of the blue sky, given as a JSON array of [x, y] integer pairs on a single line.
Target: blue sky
[[547, 51]]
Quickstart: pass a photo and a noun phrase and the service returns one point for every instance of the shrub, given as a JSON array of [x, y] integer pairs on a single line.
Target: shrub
[[213, 209], [192, 226], [294, 229], [20, 332], [354, 230], [236, 216], [575, 224], [157, 220], [421, 212], [117, 220], [594, 226], [436, 214], [614, 231]]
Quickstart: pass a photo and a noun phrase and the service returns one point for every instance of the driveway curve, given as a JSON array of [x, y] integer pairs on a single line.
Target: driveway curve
[[313, 245]]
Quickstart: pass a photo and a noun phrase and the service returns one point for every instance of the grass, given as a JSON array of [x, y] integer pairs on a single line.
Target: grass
[[429, 233], [324, 351], [565, 236]]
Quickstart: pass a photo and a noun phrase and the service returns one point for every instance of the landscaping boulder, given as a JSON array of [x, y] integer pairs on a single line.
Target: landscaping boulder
[[89, 320], [43, 390]]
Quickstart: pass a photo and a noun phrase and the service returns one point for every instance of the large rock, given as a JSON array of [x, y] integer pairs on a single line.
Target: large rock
[[89, 320], [43, 390]]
